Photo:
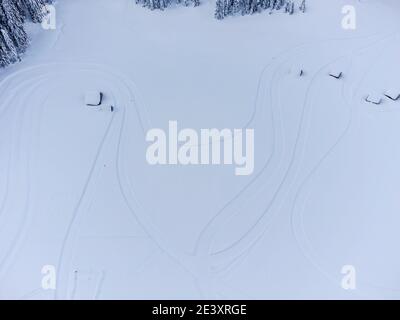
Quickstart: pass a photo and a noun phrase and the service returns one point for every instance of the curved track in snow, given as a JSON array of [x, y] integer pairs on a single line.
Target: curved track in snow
[[302, 191], [130, 121], [224, 215]]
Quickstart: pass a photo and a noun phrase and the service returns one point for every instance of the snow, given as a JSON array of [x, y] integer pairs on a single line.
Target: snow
[[77, 193]]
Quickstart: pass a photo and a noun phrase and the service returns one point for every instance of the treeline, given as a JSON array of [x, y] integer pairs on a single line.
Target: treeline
[[13, 37], [226, 8], [163, 4]]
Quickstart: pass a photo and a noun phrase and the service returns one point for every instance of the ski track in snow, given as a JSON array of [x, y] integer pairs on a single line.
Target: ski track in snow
[[298, 206], [229, 254], [48, 70], [276, 105], [18, 239], [235, 252], [232, 253]]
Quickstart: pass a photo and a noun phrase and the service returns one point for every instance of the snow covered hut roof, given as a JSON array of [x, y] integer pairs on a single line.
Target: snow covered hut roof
[[393, 94], [374, 98], [336, 73], [93, 98]]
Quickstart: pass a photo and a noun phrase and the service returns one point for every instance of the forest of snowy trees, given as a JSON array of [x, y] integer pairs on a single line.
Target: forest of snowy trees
[[232, 7], [13, 38], [243, 7], [162, 4]]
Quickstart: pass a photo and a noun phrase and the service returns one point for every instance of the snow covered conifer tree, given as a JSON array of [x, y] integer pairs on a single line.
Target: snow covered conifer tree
[[229, 7], [4, 61], [287, 7], [11, 22], [291, 10], [219, 10], [246, 7], [13, 38], [253, 6], [163, 4], [278, 4], [8, 48], [35, 9], [265, 4], [303, 6], [236, 6]]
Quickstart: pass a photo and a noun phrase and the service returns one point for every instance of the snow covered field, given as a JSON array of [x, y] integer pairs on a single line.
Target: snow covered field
[[77, 193]]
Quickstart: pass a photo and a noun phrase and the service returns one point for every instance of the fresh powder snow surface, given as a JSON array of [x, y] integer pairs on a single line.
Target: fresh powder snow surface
[[77, 193]]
